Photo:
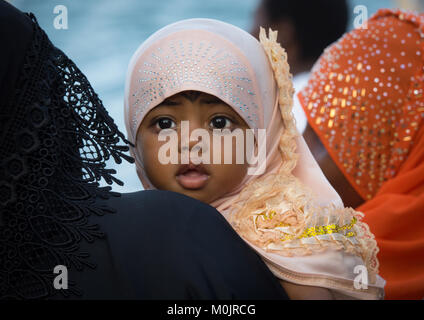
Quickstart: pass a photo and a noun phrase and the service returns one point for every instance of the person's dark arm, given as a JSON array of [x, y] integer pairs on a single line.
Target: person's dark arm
[[165, 245]]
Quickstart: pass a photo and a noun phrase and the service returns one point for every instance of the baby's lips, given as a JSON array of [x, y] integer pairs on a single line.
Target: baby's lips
[[192, 176], [191, 167]]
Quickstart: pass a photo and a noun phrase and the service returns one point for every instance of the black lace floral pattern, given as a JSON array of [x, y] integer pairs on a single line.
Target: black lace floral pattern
[[54, 145]]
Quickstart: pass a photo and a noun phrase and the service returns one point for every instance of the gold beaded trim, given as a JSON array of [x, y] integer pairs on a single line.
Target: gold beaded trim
[[313, 231], [328, 229]]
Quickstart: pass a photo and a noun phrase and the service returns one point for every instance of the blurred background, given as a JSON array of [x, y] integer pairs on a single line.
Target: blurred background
[[102, 35]]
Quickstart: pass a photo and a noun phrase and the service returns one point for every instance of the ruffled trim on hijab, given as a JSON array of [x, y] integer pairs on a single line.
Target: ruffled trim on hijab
[[290, 230], [279, 214]]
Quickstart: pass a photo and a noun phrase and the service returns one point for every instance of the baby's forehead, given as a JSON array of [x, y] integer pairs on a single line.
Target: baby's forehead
[[193, 99], [193, 95]]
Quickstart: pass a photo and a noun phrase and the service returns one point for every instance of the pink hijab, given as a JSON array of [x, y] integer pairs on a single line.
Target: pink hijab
[[219, 59], [253, 78]]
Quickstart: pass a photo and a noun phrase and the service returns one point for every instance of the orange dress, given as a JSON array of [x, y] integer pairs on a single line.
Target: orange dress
[[365, 100]]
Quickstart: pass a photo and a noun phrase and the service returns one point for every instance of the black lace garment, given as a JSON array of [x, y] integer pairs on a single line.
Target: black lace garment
[[55, 138]]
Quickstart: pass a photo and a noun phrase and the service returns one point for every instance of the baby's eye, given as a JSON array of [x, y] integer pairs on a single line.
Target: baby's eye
[[165, 123], [220, 122]]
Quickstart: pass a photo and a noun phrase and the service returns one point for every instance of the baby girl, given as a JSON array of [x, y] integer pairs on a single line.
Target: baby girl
[[208, 109]]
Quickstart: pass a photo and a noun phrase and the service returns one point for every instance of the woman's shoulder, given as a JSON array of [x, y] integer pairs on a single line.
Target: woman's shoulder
[[162, 202], [166, 211]]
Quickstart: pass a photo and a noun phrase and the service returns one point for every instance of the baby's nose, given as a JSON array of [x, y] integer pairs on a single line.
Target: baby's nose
[[195, 144], [193, 138]]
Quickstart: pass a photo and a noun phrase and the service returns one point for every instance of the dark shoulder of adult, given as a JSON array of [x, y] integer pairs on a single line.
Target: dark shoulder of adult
[[64, 236], [15, 34], [168, 246]]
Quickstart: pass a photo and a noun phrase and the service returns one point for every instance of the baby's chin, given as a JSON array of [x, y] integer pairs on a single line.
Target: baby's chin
[[199, 194], [206, 191]]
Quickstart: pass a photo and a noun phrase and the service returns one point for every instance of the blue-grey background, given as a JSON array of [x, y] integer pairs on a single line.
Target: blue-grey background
[[102, 35]]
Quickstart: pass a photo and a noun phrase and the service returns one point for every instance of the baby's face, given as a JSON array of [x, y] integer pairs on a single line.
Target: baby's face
[[205, 182]]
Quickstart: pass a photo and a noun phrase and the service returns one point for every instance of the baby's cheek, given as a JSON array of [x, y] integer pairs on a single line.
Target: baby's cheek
[[229, 176], [232, 152], [159, 174]]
